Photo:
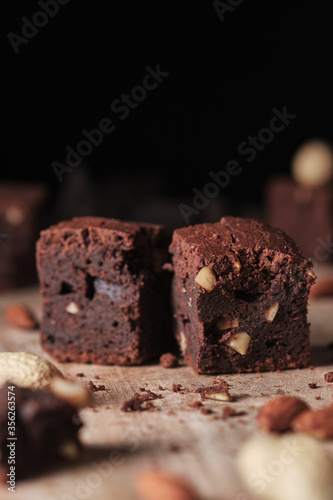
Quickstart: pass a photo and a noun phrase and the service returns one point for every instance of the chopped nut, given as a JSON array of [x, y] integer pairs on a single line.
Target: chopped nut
[[206, 278], [72, 308], [219, 392], [14, 216], [75, 394], [223, 324], [239, 342], [272, 312], [315, 423], [237, 263], [311, 273], [20, 316], [182, 342], [183, 290], [278, 414], [69, 450]]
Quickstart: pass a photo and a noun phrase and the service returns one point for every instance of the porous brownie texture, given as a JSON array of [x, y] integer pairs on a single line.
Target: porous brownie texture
[[21, 212], [106, 296], [240, 295], [46, 431]]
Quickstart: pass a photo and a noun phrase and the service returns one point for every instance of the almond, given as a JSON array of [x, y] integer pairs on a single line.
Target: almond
[[155, 485], [315, 423], [20, 316], [278, 414]]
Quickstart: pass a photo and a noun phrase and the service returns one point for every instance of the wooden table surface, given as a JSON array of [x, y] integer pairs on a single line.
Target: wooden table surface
[[178, 438]]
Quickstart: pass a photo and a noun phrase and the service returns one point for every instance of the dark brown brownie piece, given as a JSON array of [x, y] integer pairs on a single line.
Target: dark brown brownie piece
[[169, 360], [106, 296], [46, 431], [305, 213], [240, 294], [21, 207]]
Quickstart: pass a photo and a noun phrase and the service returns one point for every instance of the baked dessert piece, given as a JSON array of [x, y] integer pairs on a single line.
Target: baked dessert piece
[[106, 296], [46, 429], [21, 207], [306, 213], [240, 294]]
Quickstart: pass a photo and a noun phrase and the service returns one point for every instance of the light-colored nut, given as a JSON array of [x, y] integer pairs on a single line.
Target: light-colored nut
[[183, 290], [239, 342], [278, 414], [72, 308], [288, 467], [183, 342], [155, 485], [223, 395], [237, 263], [312, 274], [20, 316], [69, 450], [75, 394], [313, 164], [27, 370], [206, 278], [226, 324], [14, 216], [272, 312]]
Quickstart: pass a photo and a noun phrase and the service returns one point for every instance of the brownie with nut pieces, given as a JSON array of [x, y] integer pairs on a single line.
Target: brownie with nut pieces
[[46, 431], [21, 211], [240, 295], [106, 294]]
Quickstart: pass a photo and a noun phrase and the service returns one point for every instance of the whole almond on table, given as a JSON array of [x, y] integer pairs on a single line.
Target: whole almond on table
[[155, 485], [315, 423], [20, 316], [278, 414]]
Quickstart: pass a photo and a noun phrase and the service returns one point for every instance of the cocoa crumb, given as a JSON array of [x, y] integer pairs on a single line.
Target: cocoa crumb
[[96, 388], [228, 411], [80, 375], [169, 360], [140, 402], [97, 377], [176, 387], [206, 411], [318, 398], [313, 386], [160, 388], [311, 367], [328, 377]]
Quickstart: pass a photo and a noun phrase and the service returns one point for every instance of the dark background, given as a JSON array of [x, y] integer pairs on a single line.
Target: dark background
[[225, 78]]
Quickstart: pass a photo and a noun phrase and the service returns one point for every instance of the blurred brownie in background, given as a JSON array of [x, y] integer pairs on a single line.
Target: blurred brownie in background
[[304, 213], [21, 210]]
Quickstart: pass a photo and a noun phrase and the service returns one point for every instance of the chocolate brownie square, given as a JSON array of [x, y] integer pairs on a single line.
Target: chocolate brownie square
[[304, 213], [240, 294], [106, 296], [46, 431], [21, 207]]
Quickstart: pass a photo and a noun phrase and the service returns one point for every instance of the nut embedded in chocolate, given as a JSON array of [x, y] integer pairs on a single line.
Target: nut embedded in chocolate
[[206, 278]]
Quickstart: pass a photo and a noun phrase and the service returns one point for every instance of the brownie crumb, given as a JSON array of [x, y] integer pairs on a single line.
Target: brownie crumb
[[328, 377], [160, 388], [228, 411], [218, 392], [318, 398], [311, 367], [313, 386], [80, 375], [96, 388], [169, 360], [97, 377], [196, 404], [141, 402], [206, 411], [176, 387]]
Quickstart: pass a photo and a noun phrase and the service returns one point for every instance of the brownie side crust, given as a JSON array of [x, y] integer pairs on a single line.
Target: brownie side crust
[[259, 273]]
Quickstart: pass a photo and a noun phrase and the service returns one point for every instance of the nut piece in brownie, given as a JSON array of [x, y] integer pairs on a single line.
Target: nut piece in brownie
[[21, 207], [240, 294], [46, 429], [106, 296]]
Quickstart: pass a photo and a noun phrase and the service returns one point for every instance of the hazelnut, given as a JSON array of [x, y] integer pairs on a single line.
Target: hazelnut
[[225, 324], [313, 164], [272, 312], [72, 308], [206, 278], [239, 342]]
